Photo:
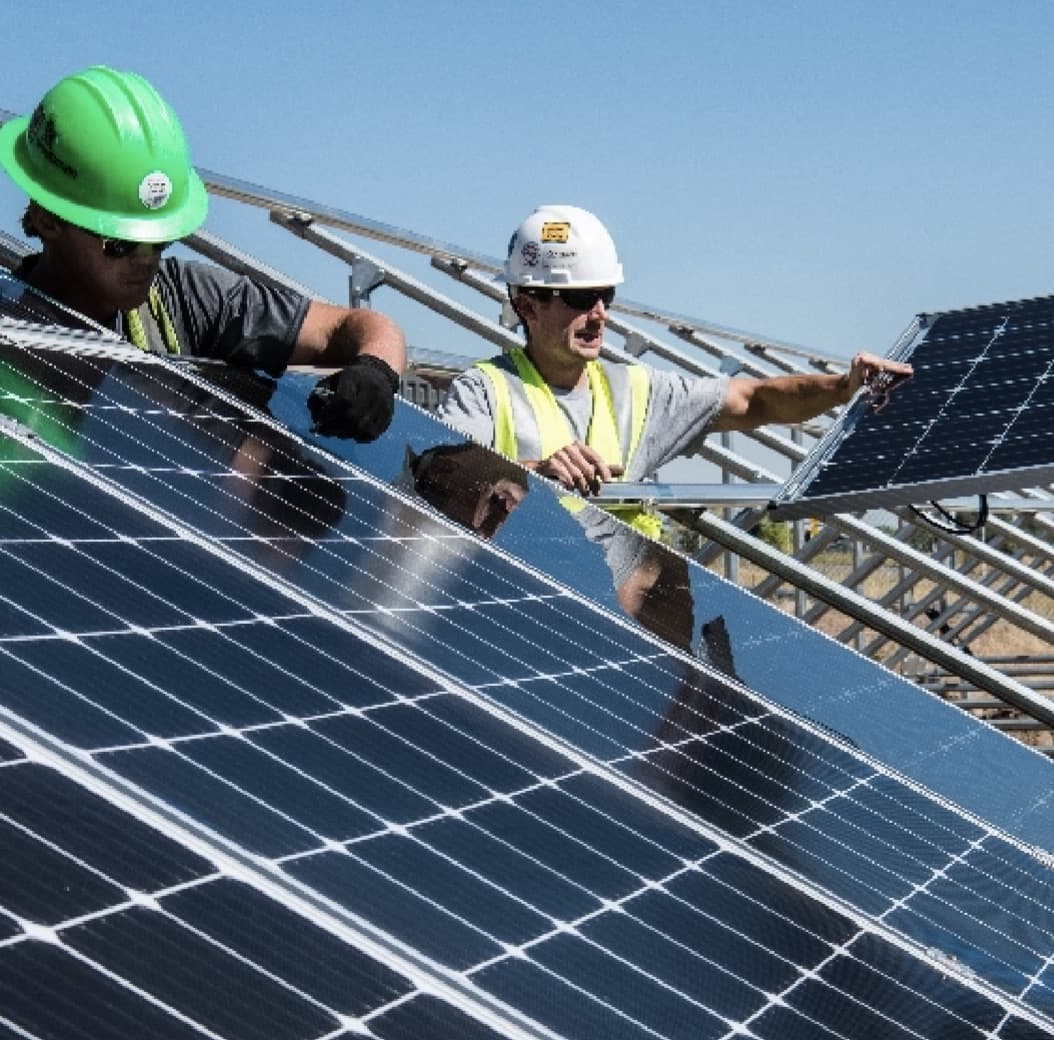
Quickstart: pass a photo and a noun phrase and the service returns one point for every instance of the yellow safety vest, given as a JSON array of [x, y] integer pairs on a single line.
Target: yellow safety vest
[[555, 433], [150, 327]]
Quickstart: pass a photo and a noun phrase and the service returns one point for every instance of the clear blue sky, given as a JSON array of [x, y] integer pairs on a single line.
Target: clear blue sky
[[814, 171]]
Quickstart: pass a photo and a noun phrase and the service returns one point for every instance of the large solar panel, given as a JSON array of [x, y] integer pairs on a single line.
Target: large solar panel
[[976, 417], [410, 786]]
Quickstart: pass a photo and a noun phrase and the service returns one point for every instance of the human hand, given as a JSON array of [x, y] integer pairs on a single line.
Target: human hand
[[879, 375], [578, 467], [358, 401]]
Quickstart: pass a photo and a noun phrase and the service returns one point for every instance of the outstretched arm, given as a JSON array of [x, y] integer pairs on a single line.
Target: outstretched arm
[[370, 349], [786, 400]]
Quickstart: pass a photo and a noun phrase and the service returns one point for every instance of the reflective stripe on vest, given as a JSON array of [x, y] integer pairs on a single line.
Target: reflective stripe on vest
[[531, 421], [150, 327], [615, 423]]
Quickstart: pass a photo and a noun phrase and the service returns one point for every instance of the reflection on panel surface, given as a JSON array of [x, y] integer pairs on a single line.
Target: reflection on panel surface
[[497, 778], [694, 610]]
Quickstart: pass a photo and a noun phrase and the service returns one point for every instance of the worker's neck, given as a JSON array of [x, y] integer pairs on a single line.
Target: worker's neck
[[55, 281], [561, 373]]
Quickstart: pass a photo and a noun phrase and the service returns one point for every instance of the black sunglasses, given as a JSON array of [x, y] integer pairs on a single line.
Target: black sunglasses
[[579, 299], [119, 248]]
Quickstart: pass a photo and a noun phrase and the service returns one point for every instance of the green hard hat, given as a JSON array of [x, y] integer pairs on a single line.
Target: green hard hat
[[103, 150]]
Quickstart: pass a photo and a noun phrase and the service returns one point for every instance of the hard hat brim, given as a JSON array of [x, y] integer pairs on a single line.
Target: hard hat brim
[[560, 280], [157, 227]]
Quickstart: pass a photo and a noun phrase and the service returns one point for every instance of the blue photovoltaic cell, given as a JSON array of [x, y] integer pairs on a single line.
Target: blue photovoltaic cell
[[975, 417], [327, 725], [425, 1016], [146, 938]]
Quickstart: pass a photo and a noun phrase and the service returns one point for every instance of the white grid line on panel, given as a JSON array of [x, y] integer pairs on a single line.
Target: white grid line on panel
[[814, 975], [943, 408], [18, 1030], [151, 902], [963, 858]]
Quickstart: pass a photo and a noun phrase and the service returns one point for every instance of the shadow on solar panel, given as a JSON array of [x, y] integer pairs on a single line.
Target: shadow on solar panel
[[293, 744]]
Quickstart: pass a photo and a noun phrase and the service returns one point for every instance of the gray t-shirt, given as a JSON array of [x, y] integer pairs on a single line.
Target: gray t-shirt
[[220, 314], [681, 411], [223, 315]]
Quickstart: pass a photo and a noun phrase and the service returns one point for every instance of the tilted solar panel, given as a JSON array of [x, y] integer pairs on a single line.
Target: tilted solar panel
[[976, 417], [377, 742], [110, 929]]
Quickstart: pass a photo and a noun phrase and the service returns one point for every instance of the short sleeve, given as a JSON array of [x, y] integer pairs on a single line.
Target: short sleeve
[[223, 315], [681, 411], [467, 407]]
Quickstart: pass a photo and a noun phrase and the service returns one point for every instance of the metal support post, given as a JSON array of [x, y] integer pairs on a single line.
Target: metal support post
[[364, 278]]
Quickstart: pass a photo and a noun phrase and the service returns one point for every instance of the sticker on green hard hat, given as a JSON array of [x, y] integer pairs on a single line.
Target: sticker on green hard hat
[[155, 189]]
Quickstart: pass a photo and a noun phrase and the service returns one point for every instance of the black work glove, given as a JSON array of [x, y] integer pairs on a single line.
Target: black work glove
[[358, 401]]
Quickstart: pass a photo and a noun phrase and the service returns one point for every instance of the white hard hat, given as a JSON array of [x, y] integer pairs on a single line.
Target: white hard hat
[[562, 246]]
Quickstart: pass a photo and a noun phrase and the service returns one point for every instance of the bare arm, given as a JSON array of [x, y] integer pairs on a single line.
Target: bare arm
[[793, 399], [332, 336]]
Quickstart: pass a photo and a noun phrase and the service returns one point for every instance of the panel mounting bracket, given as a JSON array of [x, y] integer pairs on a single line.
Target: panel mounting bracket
[[364, 278]]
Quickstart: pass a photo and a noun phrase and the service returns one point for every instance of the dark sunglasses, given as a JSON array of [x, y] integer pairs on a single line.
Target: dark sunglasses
[[119, 248], [579, 299]]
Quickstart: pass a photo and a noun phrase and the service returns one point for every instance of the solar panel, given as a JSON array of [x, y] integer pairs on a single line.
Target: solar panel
[[976, 417], [406, 751], [20, 302], [111, 929]]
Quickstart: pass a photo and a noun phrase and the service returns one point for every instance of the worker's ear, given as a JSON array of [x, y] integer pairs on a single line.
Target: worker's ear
[[525, 306], [46, 224]]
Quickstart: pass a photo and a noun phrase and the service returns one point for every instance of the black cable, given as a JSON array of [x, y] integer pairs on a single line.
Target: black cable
[[954, 525]]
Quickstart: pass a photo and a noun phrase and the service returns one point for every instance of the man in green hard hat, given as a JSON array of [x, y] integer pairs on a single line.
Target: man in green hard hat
[[105, 164]]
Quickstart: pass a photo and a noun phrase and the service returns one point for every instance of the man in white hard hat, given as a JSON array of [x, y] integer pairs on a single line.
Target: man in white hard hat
[[559, 410]]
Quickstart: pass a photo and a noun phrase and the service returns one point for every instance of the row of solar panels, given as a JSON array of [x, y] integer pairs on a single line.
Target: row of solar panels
[[289, 752]]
